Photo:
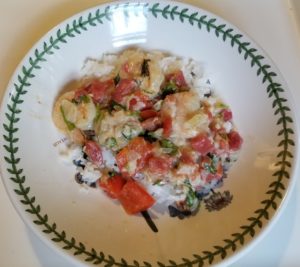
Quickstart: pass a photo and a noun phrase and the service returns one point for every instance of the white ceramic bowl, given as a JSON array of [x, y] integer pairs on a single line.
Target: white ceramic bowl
[[86, 225]]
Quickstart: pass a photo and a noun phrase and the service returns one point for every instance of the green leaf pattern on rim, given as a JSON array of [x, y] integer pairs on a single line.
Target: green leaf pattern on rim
[[168, 12]]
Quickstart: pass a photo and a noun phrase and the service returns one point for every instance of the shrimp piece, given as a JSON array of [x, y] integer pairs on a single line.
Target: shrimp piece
[[188, 119], [56, 114], [71, 118]]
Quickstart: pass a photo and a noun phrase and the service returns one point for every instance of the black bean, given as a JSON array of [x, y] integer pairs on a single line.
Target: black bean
[[207, 94], [78, 178], [78, 163], [174, 212], [93, 185], [145, 68]]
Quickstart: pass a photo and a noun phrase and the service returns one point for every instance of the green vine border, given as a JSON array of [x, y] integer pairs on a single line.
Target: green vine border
[[195, 19]]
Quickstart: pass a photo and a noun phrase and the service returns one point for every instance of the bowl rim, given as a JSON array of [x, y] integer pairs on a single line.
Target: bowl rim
[[245, 248]]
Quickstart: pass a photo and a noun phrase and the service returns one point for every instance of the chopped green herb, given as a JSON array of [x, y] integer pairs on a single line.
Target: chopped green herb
[[117, 79], [135, 113], [71, 126], [145, 68], [168, 147], [83, 98], [111, 142], [99, 114], [191, 197], [74, 101], [168, 89], [113, 105], [159, 182], [221, 105], [149, 136], [210, 168], [130, 130], [112, 173]]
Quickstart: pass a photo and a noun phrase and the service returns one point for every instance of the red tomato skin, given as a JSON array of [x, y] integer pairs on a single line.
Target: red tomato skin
[[123, 88], [160, 165], [177, 78], [151, 124], [167, 126], [202, 144], [93, 151], [112, 185], [99, 90], [227, 114], [235, 140], [148, 113], [132, 103], [134, 198]]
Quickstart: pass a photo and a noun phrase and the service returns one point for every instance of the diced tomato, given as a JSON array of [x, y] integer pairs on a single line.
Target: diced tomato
[[186, 156], [138, 151], [140, 145], [112, 185], [93, 151], [167, 125], [99, 90], [151, 124], [160, 165], [223, 144], [235, 140], [123, 88], [202, 144], [227, 114], [122, 159], [139, 101], [148, 113], [133, 103], [177, 78], [134, 198]]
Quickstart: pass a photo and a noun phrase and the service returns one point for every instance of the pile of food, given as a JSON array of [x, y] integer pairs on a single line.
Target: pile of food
[[148, 130]]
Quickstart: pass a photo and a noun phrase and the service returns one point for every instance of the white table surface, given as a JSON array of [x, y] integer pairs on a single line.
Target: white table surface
[[271, 23]]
